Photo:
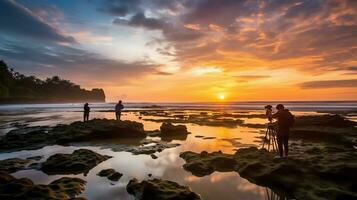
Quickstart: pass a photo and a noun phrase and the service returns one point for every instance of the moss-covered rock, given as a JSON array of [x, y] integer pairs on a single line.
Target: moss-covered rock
[[204, 163], [170, 129], [111, 174], [25, 189], [152, 147], [76, 132], [12, 165], [220, 119], [169, 132], [99, 129], [322, 172], [80, 161], [324, 120], [159, 190]]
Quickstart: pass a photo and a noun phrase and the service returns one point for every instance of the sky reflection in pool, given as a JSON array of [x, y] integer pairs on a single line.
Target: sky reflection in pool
[[168, 166]]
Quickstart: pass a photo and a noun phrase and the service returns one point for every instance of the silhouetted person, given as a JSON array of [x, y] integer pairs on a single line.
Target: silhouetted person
[[86, 112], [285, 121], [118, 109]]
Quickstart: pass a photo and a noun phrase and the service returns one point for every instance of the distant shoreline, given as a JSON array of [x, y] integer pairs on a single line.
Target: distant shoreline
[[325, 106]]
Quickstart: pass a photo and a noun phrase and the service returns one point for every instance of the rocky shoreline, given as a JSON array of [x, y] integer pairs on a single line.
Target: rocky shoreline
[[63, 188], [321, 165]]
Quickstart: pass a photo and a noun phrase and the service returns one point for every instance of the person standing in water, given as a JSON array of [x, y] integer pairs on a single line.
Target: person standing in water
[[86, 112], [285, 121], [118, 109]]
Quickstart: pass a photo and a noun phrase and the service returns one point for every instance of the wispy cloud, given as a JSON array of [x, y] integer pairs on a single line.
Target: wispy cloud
[[329, 84], [243, 39], [17, 19]]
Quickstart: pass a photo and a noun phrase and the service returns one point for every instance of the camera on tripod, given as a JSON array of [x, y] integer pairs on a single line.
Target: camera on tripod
[[269, 112], [270, 134]]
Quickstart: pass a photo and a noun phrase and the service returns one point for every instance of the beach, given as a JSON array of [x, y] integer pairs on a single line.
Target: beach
[[212, 127]]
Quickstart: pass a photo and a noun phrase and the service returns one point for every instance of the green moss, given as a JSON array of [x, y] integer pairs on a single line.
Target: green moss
[[63, 188], [12, 165], [159, 190], [32, 138], [80, 161], [111, 174], [169, 132], [304, 176]]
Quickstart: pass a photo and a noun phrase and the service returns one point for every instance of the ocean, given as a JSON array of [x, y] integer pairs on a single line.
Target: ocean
[[242, 105]]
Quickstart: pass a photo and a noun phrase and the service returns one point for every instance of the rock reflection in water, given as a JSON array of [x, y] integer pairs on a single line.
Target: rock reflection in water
[[167, 166]]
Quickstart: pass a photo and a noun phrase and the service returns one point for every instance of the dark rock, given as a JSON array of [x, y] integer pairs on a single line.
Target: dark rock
[[34, 158], [37, 137], [25, 140], [303, 175], [204, 163], [12, 165], [157, 146], [153, 133], [202, 121], [171, 132], [170, 129], [111, 174], [99, 129], [153, 156], [28, 130], [159, 190], [324, 120], [64, 188], [209, 138], [80, 161]]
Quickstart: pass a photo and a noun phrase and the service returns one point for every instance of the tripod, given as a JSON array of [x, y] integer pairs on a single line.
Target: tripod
[[270, 138]]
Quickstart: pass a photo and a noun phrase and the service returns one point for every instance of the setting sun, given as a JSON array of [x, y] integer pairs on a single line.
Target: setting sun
[[221, 96]]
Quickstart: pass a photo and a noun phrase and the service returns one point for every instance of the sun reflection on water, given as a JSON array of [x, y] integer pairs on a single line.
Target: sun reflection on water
[[168, 166]]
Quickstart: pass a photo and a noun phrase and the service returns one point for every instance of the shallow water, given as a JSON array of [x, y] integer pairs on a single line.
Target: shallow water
[[168, 166]]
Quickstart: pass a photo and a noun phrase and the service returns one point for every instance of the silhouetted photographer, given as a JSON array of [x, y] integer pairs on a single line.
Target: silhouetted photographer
[[285, 121]]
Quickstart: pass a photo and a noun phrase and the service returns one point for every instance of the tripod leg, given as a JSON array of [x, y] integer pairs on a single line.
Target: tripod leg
[[265, 138], [269, 139], [276, 143], [275, 146]]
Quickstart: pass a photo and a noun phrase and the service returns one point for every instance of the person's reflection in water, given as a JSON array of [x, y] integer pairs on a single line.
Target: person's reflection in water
[[86, 112], [118, 109]]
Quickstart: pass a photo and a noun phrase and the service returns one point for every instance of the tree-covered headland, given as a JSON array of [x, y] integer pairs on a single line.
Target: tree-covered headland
[[18, 88]]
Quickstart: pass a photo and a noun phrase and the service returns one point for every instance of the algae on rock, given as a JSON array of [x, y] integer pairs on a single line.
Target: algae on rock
[[111, 174], [80, 161], [74, 132], [301, 176], [159, 190], [25, 189]]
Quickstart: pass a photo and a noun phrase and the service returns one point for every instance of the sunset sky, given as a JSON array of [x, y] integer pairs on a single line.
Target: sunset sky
[[188, 50]]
